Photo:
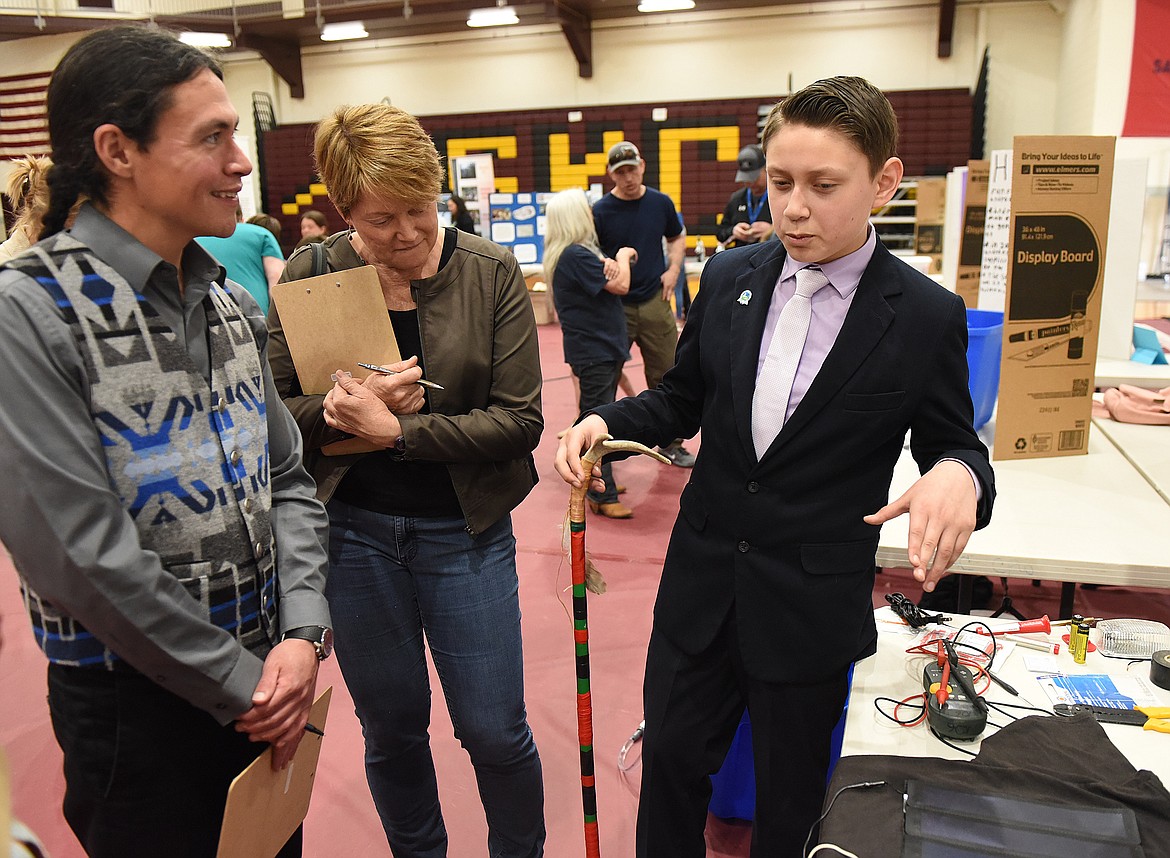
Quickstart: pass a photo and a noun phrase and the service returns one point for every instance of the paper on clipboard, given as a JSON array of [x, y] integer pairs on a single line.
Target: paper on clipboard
[[264, 807], [334, 321]]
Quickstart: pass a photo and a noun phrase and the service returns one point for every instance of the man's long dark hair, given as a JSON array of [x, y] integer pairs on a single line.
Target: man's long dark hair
[[124, 76]]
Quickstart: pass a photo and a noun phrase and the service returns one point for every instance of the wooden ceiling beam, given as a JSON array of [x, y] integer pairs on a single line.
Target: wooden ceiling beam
[[283, 55], [946, 28], [578, 30]]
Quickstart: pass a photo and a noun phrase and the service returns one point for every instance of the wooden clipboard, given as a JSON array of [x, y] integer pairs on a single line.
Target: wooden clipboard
[[264, 807], [336, 321]]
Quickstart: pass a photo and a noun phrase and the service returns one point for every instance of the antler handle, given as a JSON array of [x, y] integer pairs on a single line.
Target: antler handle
[[602, 447]]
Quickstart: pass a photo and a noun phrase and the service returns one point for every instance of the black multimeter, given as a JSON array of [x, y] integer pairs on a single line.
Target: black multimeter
[[960, 717]]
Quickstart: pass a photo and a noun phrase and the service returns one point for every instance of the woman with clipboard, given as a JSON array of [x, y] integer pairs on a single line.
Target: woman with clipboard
[[420, 529]]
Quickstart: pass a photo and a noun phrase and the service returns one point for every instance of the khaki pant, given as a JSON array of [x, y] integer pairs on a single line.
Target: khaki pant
[[651, 325]]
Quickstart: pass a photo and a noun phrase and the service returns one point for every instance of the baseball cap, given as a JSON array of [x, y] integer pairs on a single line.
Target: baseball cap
[[621, 154], [750, 161]]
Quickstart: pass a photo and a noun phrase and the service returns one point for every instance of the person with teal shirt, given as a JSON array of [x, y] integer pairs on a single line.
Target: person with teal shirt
[[251, 257]]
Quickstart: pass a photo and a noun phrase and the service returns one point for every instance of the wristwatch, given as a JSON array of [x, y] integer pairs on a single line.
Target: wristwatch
[[319, 636]]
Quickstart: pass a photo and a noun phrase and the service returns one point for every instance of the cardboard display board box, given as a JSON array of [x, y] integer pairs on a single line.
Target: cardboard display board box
[[542, 307], [971, 243], [1061, 188], [929, 215], [541, 298]]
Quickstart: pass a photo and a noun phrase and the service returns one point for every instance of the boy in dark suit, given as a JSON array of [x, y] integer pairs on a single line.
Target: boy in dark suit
[[804, 362]]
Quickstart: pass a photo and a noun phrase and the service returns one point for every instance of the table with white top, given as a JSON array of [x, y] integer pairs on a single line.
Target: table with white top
[[893, 673], [1112, 372], [1092, 518], [1146, 447]]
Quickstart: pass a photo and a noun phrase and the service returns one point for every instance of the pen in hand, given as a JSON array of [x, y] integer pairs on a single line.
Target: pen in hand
[[316, 731], [422, 381]]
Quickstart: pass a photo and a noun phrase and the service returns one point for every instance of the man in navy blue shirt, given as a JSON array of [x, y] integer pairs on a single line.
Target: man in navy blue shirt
[[633, 215]]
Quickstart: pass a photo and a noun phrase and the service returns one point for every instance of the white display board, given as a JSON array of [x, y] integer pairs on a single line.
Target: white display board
[[474, 179], [1119, 291], [996, 233], [953, 226]]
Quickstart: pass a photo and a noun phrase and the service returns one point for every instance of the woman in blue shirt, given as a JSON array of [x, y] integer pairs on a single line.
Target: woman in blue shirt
[[587, 289]]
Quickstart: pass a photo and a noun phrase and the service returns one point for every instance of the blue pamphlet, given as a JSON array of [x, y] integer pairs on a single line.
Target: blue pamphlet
[[1095, 689]]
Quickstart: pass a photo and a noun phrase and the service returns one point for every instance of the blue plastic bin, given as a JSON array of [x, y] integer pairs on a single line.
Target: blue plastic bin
[[733, 787], [984, 345]]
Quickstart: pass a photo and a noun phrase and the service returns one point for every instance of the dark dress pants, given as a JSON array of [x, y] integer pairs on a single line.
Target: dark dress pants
[[146, 773], [693, 704], [599, 383]]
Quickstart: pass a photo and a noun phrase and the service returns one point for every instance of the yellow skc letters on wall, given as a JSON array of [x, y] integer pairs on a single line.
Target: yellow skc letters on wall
[[564, 174], [670, 142]]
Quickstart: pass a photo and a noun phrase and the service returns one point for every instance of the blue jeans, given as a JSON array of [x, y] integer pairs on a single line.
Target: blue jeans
[[392, 580], [682, 295]]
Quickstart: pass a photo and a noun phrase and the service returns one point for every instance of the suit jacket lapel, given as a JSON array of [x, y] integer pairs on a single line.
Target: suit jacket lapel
[[865, 324], [747, 330]]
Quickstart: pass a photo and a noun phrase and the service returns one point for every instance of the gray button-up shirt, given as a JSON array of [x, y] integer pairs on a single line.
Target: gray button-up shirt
[[64, 524]]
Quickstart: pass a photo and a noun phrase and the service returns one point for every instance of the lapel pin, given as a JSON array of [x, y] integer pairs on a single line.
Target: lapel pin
[[745, 297]]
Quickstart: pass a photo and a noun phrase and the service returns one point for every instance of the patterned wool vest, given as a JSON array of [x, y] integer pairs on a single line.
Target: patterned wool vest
[[189, 462]]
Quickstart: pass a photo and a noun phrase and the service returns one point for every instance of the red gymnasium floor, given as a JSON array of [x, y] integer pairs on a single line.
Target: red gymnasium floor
[[342, 821]]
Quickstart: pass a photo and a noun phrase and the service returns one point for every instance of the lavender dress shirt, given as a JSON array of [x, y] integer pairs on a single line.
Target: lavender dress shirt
[[829, 307]]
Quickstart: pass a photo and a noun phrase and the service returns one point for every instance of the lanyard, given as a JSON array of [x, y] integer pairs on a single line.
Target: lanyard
[[754, 211]]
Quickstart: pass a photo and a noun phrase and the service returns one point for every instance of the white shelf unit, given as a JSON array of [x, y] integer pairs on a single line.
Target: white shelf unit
[[895, 220]]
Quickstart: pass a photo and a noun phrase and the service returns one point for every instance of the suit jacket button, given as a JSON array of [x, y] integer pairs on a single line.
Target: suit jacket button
[[753, 487], [743, 548]]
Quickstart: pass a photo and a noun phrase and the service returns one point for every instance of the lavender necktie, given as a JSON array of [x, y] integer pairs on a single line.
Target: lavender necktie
[[774, 386]]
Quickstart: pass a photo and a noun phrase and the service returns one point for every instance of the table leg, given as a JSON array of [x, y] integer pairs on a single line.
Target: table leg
[[966, 583], [1068, 591]]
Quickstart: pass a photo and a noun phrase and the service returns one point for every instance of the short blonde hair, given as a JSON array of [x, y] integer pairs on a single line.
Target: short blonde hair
[[569, 221], [377, 149]]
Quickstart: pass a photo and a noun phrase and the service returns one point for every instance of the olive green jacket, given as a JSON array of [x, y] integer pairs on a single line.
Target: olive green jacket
[[479, 341]]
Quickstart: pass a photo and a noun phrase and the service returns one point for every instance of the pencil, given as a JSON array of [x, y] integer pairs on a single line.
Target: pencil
[[373, 367]]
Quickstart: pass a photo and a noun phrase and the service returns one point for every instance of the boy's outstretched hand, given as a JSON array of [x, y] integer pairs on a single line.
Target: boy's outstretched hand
[[942, 505]]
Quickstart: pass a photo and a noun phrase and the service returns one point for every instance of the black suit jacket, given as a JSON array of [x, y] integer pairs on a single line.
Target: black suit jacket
[[783, 538]]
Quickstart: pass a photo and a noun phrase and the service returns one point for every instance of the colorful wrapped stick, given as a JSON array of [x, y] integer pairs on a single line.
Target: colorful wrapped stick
[[600, 448]]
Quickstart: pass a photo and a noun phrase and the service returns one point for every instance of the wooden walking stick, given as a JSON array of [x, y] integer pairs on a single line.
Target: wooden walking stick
[[603, 445]]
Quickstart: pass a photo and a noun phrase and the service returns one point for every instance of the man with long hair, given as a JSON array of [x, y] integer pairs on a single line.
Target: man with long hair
[[169, 546]]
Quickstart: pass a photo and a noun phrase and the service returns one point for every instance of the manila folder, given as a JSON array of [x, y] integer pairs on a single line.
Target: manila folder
[[336, 321], [264, 807]]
